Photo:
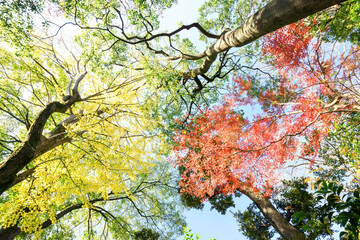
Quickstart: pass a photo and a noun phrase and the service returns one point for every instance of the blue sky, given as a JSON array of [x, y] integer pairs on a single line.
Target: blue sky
[[211, 224]]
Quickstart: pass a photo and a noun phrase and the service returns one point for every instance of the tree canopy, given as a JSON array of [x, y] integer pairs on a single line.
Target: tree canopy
[[96, 101]]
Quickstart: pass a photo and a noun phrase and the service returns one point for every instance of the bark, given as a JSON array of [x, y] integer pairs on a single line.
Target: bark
[[56, 137], [9, 233], [276, 14], [281, 225]]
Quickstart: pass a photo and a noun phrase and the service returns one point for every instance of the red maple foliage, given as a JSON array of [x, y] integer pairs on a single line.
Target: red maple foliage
[[289, 44], [222, 151]]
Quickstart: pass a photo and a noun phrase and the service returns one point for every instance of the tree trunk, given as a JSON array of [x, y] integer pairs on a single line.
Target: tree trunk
[[9, 233], [27, 150], [281, 225], [276, 14]]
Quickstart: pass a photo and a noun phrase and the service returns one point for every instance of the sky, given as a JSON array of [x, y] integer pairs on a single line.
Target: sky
[[207, 223]]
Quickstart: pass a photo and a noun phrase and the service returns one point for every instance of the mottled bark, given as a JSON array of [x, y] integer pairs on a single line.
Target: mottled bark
[[276, 14], [281, 225]]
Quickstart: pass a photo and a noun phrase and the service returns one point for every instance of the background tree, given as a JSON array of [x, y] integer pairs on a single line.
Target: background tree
[[294, 200]]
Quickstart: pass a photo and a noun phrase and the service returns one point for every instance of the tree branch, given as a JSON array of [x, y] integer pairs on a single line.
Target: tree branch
[[276, 14]]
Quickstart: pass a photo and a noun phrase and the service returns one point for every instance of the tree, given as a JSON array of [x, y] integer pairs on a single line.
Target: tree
[[335, 197], [338, 178], [112, 21], [332, 198], [79, 148], [297, 204], [222, 151]]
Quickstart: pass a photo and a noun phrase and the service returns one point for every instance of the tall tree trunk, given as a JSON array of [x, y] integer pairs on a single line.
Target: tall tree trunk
[[281, 225], [276, 14]]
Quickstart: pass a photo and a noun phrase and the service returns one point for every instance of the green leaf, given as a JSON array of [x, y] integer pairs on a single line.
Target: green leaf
[[298, 217], [356, 194], [339, 190]]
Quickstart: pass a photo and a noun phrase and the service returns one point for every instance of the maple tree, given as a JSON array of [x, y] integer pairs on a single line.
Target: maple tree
[[222, 151]]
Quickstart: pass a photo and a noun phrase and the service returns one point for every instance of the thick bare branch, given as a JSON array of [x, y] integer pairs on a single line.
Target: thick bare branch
[[276, 14]]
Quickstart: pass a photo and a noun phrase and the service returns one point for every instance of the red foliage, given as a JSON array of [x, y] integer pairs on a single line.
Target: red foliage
[[288, 44], [223, 152]]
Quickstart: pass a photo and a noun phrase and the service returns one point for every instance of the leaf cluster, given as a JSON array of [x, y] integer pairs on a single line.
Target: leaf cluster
[[340, 207], [340, 23]]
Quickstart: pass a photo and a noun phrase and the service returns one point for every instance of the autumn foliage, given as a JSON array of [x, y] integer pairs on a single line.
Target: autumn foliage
[[312, 84]]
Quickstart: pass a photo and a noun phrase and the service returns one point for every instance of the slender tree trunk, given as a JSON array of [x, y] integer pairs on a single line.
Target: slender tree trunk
[[281, 225]]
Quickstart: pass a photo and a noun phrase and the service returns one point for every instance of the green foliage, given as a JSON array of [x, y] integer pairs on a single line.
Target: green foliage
[[340, 152], [146, 234], [190, 236], [341, 23], [297, 204], [253, 224], [221, 203], [341, 208], [191, 201], [16, 23]]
